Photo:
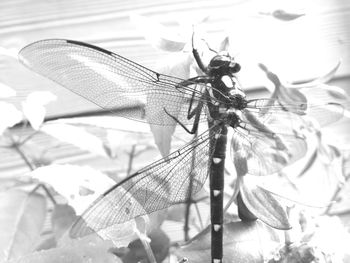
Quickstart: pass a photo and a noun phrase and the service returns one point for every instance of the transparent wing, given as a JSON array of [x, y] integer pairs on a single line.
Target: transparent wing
[[113, 82], [269, 142], [155, 187], [324, 112]]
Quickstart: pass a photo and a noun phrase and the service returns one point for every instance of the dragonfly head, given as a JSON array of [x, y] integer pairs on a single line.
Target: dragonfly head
[[223, 64]]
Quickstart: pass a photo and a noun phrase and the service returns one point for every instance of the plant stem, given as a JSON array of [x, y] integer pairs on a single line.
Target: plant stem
[[338, 189], [131, 159], [18, 149], [189, 199], [16, 146]]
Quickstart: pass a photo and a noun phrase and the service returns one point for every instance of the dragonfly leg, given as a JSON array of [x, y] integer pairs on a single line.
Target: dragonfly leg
[[197, 57], [196, 112]]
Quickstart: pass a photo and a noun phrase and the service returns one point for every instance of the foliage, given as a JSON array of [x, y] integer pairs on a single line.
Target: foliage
[[282, 201]]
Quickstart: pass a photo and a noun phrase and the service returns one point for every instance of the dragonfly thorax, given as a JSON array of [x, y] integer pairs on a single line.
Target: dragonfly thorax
[[232, 119], [238, 101]]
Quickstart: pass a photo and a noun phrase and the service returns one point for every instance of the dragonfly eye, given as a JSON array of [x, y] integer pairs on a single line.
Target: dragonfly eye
[[219, 61], [234, 67]]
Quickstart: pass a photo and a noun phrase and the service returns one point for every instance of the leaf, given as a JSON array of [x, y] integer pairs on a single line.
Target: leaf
[[106, 122], [10, 52], [33, 107], [121, 234], [179, 67], [6, 91], [70, 181], [317, 81], [263, 205], [162, 138], [159, 36], [243, 242], [63, 216], [76, 251], [324, 93], [295, 253], [285, 16], [22, 218], [9, 116], [76, 136], [117, 133], [47, 243], [160, 244]]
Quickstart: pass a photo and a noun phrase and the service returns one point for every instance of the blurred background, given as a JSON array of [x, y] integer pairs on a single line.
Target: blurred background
[[298, 40]]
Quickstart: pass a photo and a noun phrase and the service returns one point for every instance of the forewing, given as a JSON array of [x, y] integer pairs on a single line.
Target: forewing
[[113, 82], [155, 187]]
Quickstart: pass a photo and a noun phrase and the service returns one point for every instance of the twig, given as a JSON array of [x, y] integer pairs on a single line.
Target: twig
[[287, 238], [199, 215], [338, 189], [189, 199], [18, 149], [29, 137], [16, 145], [131, 159], [146, 242]]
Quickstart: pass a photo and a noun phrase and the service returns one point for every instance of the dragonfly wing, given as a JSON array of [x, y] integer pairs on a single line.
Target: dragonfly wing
[[113, 82], [319, 108], [155, 187], [269, 141]]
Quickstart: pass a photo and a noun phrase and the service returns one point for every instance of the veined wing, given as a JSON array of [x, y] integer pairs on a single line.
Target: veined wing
[[269, 141], [324, 112], [265, 154], [113, 82], [157, 186]]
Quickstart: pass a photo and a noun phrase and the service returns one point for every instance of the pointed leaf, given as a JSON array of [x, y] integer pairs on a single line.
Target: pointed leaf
[[9, 116], [295, 253], [319, 80], [263, 205], [121, 235], [70, 180], [162, 138], [33, 107], [324, 93], [6, 91], [63, 216], [22, 217], [159, 244], [159, 36], [180, 67], [290, 96], [11, 52], [285, 16], [336, 92], [243, 242], [76, 251], [76, 136], [225, 44]]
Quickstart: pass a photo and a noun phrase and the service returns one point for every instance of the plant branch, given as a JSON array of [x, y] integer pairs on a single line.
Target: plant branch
[[17, 148], [338, 189], [189, 199], [131, 159]]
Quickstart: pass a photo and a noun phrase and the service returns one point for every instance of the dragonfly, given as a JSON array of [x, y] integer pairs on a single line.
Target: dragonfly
[[266, 129]]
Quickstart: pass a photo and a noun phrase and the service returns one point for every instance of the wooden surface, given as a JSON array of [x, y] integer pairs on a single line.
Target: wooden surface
[[298, 50]]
